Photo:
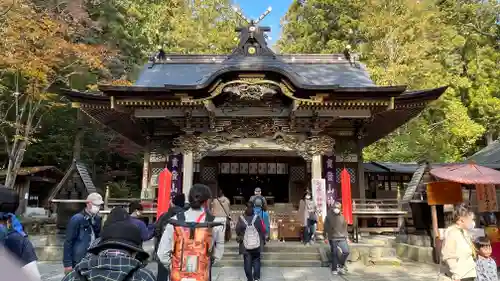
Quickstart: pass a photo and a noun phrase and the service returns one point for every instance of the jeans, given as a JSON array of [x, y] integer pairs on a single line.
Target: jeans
[[338, 262], [309, 231], [251, 264]]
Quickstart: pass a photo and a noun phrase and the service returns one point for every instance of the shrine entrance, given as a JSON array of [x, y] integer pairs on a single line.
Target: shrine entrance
[[281, 175]]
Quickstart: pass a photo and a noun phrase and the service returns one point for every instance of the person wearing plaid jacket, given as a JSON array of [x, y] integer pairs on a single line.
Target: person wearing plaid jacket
[[118, 256]]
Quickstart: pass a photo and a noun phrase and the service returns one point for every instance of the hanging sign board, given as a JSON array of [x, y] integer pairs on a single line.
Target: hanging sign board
[[486, 198], [441, 193]]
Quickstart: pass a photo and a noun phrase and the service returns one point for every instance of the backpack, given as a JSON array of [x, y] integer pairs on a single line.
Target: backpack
[[251, 238], [192, 251], [128, 277]]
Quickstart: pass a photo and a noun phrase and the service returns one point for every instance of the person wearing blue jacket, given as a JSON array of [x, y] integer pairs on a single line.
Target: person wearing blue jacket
[[264, 215], [135, 210], [12, 236], [83, 228]]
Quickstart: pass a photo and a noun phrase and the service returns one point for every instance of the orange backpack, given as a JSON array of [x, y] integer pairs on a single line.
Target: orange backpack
[[192, 252]]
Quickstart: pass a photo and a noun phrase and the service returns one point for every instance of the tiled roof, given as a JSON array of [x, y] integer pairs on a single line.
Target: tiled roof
[[488, 155], [307, 73]]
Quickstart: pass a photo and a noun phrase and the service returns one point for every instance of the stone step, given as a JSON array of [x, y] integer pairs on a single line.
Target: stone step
[[276, 256], [273, 263], [392, 261], [415, 253], [292, 247], [378, 240]]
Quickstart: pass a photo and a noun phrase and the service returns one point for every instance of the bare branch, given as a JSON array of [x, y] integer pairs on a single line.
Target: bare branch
[[478, 30]]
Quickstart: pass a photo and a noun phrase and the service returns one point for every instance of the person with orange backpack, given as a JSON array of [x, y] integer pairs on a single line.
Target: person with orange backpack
[[193, 240]]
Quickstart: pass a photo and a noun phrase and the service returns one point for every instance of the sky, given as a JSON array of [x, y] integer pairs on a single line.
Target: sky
[[252, 9]]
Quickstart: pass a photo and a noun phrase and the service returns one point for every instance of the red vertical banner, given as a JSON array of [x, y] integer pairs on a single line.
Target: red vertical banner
[[345, 184], [164, 189]]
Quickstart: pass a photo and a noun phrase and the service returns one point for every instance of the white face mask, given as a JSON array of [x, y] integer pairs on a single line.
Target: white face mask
[[308, 196], [336, 211], [471, 225], [94, 210]]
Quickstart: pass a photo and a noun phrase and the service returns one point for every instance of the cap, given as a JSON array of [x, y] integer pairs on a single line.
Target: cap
[[95, 198], [257, 189]]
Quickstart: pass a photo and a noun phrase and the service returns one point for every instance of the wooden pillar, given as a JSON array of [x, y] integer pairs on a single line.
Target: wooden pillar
[[187, 172], [361, 170], [146, 193], [316, 167]]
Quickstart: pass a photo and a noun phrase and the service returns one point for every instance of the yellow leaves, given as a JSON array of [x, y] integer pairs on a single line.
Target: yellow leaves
[[121, 82], [40, 47]]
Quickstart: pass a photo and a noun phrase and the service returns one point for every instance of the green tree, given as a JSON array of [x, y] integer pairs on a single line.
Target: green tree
[[417, 43]]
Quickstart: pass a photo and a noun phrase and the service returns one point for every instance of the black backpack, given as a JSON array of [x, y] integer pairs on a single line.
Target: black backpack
[[129, 275]]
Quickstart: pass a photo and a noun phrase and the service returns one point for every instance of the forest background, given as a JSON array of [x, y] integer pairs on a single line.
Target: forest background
[[47, 45]]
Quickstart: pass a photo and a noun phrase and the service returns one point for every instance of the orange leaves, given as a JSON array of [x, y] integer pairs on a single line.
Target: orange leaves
[[44, 49]]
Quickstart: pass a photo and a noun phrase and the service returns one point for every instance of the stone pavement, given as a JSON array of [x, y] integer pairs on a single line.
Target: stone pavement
[[357, 272]]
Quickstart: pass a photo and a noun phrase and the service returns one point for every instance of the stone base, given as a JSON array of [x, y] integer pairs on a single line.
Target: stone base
[[415, 240], [372, 251], [415, 253]]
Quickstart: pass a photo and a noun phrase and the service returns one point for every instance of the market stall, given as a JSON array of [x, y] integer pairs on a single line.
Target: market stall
[[448, 190]]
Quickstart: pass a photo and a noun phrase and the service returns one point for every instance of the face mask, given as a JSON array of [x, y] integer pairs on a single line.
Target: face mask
[[94, 210], [308, 197], [471, 225], [336, 211]]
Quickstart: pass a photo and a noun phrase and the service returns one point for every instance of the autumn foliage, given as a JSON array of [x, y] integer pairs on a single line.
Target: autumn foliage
[[42, 48], [38, 50]]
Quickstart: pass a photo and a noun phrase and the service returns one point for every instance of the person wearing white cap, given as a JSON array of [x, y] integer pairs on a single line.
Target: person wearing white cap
[[83, 228]]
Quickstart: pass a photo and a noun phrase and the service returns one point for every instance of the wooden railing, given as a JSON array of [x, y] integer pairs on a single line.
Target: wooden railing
[[377, 206]]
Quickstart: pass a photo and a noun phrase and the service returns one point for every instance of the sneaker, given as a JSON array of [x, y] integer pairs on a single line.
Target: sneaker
[[342, 270], [335, 272]]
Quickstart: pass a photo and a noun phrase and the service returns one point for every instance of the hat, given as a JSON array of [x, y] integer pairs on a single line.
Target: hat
[[257, 189], [122, 235], [116, 215], [95, 198]]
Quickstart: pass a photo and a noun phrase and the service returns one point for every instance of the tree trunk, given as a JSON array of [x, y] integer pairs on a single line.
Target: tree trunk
[[77, 145], [489, 138], [15, 162]]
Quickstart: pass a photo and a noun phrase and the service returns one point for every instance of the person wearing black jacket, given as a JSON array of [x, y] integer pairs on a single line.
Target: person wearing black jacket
[[335, 232], [178, 206]]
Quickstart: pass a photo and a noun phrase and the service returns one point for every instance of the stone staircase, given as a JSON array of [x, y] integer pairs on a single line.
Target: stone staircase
[[374, 250], [370, 251], [277, 254]]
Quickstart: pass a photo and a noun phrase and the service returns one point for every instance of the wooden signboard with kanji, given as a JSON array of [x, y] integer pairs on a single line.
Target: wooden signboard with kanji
[[486, 198], [442, 193]]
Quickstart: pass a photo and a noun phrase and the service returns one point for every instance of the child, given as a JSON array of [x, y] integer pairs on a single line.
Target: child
[[486, 267]]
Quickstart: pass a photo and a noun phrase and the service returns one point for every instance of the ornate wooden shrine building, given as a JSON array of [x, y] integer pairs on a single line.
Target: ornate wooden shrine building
[[253, 118]]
